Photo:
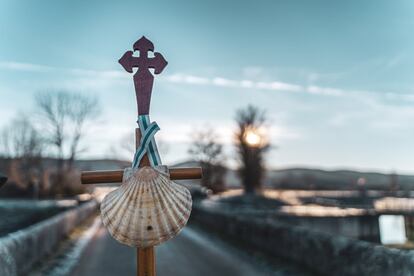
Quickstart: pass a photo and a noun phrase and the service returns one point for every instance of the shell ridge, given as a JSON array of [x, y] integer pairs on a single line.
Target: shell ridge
[[119, 211], [179, 189], [111, 201], [109, 204], [161, 226], [130, 220], [140, 209], [176, 189], [126, 237], [174, 216], [178, 223], [121, 208], [166, 222], [182, 198], [165, 212], [180, 202]]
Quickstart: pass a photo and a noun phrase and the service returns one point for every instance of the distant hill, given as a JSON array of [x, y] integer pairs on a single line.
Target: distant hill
[[101, 164], [337, 179], [291, 178], [305, 178]]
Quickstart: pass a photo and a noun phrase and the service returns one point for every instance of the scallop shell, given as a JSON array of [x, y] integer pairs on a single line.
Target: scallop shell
[[147, 209]]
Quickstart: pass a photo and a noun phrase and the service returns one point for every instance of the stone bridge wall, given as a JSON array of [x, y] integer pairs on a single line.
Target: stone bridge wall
[[321, 253], [23, 248]]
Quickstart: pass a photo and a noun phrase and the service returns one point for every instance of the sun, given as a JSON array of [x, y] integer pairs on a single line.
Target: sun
[[252, 138]]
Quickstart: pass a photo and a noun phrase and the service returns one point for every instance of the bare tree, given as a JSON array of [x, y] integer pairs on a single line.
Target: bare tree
[[64, 118], [209, 153], [23, 146], [251, 147]]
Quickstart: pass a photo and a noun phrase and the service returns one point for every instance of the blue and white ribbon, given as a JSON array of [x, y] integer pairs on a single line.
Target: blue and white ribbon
[[147, 144]]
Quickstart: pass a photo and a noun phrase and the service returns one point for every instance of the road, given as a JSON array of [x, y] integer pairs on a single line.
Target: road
[[193, 252]]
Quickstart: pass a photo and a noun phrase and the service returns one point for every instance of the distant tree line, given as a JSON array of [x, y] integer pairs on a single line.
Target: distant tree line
[[38, 152]]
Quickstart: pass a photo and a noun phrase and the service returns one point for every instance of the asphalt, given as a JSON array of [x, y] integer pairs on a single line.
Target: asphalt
[[192, 252]]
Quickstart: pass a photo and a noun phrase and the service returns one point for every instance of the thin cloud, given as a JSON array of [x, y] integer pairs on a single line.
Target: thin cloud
[[27, 67], [106, 77], [280, 86], [111, 74], [328, 91], [190, 79], [224, 82]]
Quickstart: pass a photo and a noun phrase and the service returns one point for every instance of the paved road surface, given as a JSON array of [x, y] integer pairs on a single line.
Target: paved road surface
[[192, 253]]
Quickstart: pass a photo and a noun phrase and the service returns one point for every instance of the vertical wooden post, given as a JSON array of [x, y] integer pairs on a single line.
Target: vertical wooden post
[[145, 256], [146, 261]]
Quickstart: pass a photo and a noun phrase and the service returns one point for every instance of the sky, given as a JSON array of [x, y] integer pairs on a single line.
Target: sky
[[335, 77]]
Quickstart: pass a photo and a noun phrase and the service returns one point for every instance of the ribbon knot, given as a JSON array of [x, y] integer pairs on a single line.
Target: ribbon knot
[[147, 142]]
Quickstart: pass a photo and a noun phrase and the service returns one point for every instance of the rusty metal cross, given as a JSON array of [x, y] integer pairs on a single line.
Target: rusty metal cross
[[143, 81]]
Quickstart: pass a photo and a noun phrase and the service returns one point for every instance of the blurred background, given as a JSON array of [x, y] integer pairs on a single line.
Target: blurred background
[[300, 114]]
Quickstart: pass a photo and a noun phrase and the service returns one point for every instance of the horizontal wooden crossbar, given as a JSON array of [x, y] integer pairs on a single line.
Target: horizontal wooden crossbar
[[97, 177]]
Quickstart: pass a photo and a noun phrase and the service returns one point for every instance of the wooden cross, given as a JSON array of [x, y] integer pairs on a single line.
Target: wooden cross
[[143, 81]]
